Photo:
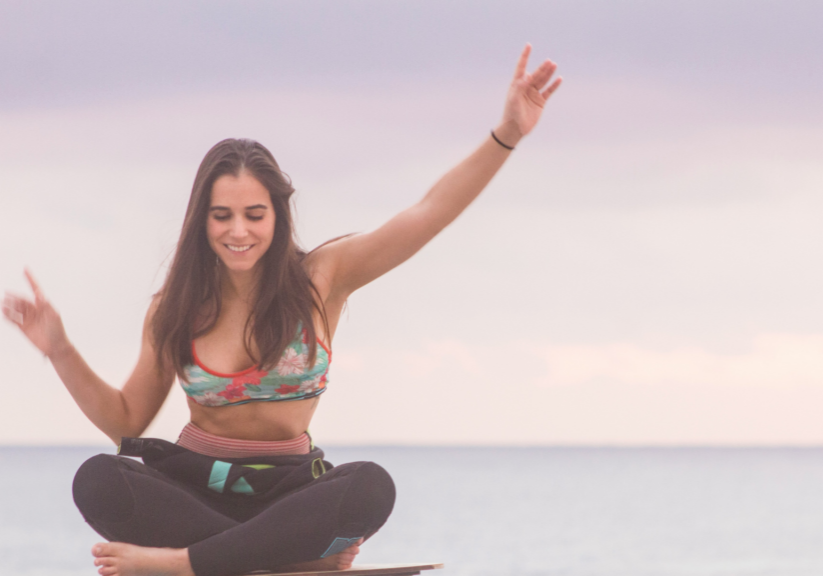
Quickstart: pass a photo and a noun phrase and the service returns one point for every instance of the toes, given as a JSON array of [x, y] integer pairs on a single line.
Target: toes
[[104, 558], [108, 567], [101, 549]]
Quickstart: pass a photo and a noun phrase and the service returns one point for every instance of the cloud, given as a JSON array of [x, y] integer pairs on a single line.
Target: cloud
[[519, 392], [775, 361]]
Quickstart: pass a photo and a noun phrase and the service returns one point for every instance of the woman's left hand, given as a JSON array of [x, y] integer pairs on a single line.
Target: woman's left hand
[[526, 98]]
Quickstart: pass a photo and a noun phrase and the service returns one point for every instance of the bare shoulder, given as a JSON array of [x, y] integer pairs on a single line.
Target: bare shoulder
[[329, 250]]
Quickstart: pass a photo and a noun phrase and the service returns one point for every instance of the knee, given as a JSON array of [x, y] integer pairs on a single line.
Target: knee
[[100, 490], [371, 496], [379, 484]]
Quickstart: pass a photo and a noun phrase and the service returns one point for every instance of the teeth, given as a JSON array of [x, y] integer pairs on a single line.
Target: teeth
[[238, 248]]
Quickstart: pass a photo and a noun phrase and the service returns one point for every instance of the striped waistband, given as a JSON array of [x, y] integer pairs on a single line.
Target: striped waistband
[[198, 440]]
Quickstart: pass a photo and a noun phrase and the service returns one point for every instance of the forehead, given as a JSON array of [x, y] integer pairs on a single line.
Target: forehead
[[239, 191]]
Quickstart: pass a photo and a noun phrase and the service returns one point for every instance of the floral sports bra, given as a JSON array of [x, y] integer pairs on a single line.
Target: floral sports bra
[[290, 379]]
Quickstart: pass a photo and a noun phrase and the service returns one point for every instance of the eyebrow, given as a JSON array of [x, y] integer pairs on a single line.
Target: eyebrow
[[255, 207]]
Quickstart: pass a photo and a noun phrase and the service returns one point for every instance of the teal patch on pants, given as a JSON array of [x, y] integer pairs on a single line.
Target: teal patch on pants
[[219, 473], [339, 545], [242, 487]]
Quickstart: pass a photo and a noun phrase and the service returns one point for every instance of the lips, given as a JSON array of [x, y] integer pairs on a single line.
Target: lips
[[238, 249]]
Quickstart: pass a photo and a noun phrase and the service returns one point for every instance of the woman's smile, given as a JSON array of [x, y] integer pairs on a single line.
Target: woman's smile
[[235, 248]]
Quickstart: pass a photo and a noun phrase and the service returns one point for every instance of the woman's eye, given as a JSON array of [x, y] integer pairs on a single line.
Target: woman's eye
[[254, 218], [221, 217]]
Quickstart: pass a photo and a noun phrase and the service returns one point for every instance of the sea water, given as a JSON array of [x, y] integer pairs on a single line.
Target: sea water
[[512, 511]]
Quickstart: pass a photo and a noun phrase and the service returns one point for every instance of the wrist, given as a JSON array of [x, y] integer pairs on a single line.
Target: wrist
[[508, 134], [61, 351]]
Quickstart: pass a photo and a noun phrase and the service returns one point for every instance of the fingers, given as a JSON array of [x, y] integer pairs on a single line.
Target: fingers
[[542, 74], [15, 309], [552, 87], [13, 316], [35, 287], [520, 69]]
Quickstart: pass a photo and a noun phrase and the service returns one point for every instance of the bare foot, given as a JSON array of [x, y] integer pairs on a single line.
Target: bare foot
[[340, 561], [119, 559]]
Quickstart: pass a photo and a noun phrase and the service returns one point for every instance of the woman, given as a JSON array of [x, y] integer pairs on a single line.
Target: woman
[[245, 320]]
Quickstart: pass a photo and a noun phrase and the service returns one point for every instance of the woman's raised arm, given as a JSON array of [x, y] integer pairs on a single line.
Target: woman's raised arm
[[357, 260], [117, 413]]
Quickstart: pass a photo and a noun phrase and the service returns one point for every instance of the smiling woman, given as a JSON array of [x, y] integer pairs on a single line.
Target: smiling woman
[[245, 321]]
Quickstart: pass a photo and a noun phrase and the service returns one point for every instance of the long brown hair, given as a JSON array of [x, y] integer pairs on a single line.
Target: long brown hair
[[190, 300]]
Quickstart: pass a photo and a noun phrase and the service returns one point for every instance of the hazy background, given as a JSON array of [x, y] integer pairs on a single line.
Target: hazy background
[[645, 269]]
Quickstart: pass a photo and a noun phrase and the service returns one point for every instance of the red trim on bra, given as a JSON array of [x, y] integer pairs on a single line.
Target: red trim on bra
[[319, 341], [242, 372]]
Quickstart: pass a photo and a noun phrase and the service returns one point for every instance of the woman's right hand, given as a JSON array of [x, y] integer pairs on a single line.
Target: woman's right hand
[[38, 320]]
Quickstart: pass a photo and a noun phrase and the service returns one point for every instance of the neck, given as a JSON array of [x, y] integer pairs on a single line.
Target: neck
[[240, 285]]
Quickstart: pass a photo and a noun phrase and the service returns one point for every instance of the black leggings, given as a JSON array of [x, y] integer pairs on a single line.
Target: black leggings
[[124, 500]]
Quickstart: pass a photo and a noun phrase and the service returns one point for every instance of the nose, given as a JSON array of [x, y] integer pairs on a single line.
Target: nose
[[238, 228]]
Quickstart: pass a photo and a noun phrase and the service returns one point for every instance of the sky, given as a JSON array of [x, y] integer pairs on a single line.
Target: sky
[[643, 271]]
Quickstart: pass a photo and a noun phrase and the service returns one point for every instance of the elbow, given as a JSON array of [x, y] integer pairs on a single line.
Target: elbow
[[124, 430], [133, 423], [134, 431], [117, 436]]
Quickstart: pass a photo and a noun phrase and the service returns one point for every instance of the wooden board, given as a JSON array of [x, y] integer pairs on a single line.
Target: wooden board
[[365, 570]]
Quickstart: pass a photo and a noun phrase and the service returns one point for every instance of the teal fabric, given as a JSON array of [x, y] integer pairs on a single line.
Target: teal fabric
[[340, 544], [219, 473], [242, 487]]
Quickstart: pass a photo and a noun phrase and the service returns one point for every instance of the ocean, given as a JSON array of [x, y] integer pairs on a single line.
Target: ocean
[[511, 511]]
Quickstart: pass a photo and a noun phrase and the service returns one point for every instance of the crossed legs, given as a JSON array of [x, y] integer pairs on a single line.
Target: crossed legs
[[157, 525]]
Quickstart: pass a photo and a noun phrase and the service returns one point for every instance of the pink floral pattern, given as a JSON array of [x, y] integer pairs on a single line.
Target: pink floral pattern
[[291, 363], [287, 389], [234, 391], [252, 378], [209, 399]]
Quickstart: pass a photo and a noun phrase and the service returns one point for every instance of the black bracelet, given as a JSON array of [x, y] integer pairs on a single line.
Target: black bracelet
[[506, 146]]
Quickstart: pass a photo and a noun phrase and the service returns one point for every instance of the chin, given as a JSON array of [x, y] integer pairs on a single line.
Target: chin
[[240, 267]]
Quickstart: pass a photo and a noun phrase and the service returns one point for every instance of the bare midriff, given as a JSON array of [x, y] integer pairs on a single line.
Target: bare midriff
[[255, 420]]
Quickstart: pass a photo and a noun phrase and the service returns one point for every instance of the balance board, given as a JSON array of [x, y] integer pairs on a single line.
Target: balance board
[[363, 570]]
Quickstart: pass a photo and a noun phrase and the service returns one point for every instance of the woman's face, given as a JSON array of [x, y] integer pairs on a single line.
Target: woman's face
[[240, 224]]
